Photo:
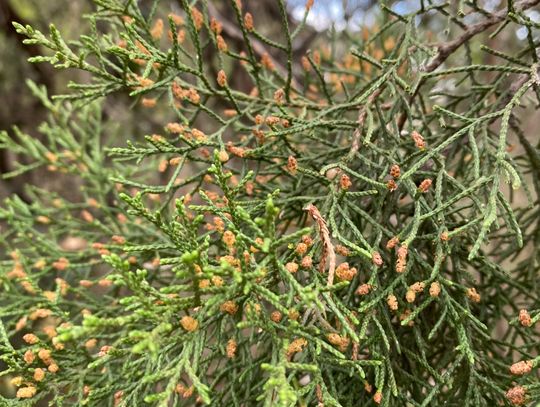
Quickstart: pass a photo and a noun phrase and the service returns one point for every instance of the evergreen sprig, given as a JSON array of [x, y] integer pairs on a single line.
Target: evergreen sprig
[[340, 228]]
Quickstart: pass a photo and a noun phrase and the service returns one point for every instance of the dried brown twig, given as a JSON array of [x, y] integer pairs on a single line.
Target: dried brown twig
[[355, 144], [328, 248]]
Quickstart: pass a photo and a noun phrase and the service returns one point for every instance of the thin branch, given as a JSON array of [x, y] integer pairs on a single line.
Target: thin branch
[[234, 32], [445, 49]]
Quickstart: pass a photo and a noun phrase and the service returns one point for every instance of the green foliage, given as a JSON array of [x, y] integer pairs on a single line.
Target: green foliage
[[332, 229]]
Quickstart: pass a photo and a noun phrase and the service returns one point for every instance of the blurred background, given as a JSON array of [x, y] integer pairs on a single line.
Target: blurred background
[[352, 17], [20, 108]]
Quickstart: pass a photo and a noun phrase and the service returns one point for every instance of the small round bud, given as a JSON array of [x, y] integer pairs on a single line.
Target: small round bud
[[363, 289], [148, 103], [223, 156], [193, 96], [231, 348], [425, 185], [291, 267], [317, 57], [306, 64], [62, 263], [301, 248], [198, 134], [118, 239], [340, 341], [521, 368], [157, 29], [392, 242], [395, 171], [198, 18], [21, 323], [418, 140], [105, 349], [29, 356], [345, 182], [16, 381], [39, 374], [248, 21], [86, 283], [418, 287], [434, 289], [292, 165], [215, 26], [118, 397], [293, 315], [342, 250], [221, 44], [45, 356], [516, 395], [307, 262], [278, 96], [217, 281], [53, 368], [43, 219], [296, 346], [403, 251], [30, 339], [345, 273], [229, 239], [392, 302], [266, 61], [222, 78], [525, 318], [205, 283], [105, 283], [189, 324], [26, 392], [178, 20], [90, 343], [230, 307], [473, 294], [276, 316], [272, 120], [376, 259]]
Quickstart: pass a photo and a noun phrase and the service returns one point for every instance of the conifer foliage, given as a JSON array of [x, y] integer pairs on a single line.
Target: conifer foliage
[[356, 225]]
